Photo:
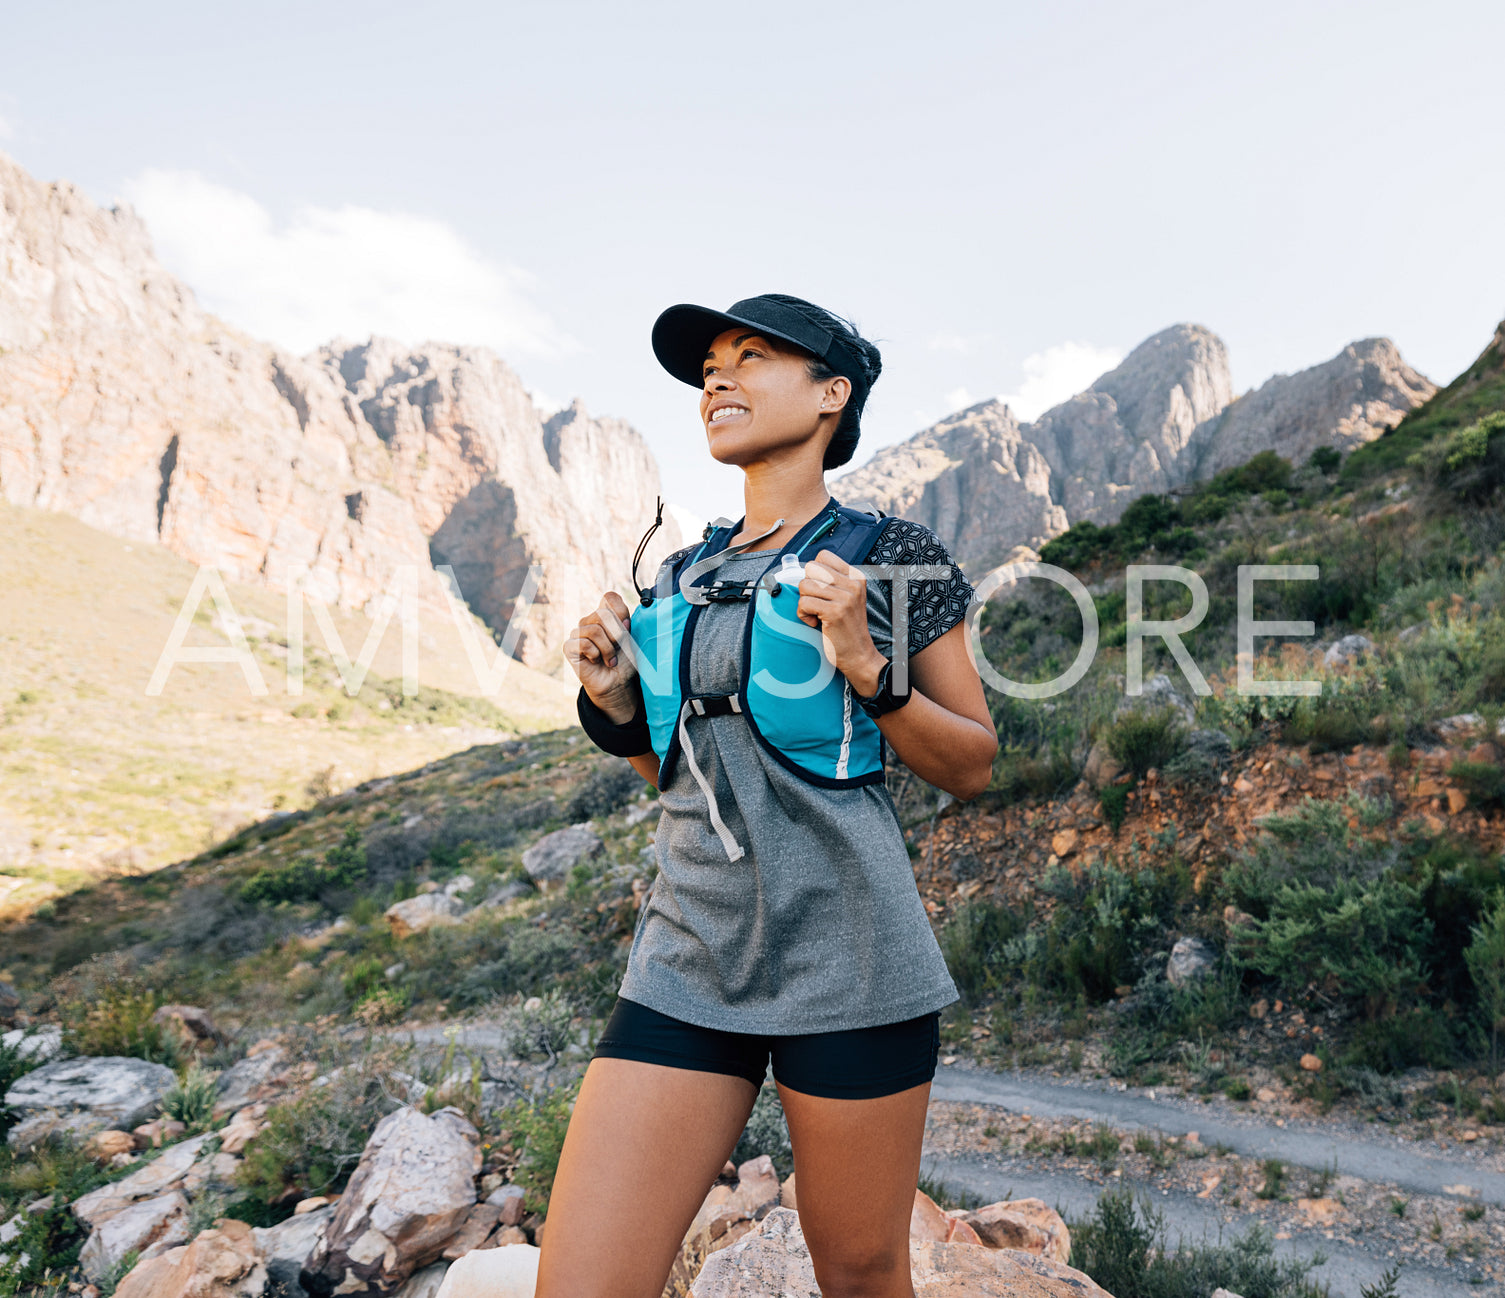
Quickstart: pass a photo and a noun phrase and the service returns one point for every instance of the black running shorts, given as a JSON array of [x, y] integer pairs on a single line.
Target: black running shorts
[[853, 1064]]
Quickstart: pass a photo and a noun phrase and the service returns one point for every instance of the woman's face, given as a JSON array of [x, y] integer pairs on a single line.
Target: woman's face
[[759, 397]]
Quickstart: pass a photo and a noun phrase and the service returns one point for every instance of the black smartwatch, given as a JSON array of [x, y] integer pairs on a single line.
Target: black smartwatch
[[885, 700]]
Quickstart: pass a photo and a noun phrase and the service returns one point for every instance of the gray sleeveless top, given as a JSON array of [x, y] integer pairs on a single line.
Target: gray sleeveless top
[[818, 926]]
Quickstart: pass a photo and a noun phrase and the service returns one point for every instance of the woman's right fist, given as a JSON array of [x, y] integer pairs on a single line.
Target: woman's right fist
[[594, 651]]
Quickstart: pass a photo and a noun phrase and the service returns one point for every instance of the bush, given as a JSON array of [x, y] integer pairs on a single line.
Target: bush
[[304, 879], [1146, 738], [311, 1144], [766, 1132], [1484, 782], [12, 1065], [191, 1101], [543, 1030], [538, 1129], [1125, 1248], [1485, 958], [117, 1020], [1114, 800], [975, 944]]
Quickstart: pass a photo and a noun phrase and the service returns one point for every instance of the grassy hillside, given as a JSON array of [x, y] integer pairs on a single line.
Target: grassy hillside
[[99, 778]]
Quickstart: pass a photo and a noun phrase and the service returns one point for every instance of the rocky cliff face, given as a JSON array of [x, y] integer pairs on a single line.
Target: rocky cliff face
[[1164, 417], [125, 404]]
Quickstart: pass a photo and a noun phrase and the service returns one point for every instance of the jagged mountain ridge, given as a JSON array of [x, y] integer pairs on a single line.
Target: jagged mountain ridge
[[125, 404], [1164, 417]]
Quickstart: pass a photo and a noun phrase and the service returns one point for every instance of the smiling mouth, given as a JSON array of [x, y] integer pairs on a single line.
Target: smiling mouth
[[726, 412]]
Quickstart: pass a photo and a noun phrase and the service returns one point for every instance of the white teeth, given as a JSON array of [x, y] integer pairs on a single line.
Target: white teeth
[[725, 411]]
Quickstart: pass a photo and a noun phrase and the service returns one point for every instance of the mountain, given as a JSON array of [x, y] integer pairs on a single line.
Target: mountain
[[1165, 417], [126, 405]]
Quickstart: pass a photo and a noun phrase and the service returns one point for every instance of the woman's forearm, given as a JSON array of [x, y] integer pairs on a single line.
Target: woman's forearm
[[949, 751]]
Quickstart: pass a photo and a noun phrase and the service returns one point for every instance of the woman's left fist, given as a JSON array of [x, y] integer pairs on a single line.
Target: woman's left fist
[[833, 597]]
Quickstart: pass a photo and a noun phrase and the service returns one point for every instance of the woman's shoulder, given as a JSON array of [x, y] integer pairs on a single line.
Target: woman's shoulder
[[904, 540]]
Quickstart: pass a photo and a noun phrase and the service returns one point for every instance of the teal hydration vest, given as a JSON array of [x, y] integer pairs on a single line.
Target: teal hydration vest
[[797, 705]]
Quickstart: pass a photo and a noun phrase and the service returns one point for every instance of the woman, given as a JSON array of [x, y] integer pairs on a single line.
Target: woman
[[784, 919]]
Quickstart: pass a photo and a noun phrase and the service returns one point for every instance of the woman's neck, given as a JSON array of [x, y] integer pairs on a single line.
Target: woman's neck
[[768, 497]]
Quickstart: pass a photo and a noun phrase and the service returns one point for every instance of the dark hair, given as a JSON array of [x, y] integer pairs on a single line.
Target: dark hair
[[844, 441]]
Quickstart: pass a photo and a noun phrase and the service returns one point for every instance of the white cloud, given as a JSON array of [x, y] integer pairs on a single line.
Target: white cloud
[[330, 272], [1055, 374], [958, 399]]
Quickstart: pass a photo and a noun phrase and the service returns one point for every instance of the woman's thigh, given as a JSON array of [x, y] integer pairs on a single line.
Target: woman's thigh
[[644, 1144], [856, 1165]]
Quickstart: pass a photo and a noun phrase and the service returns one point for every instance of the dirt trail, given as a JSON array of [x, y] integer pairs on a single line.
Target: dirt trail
[[1346, 1269], [1355, 1152]]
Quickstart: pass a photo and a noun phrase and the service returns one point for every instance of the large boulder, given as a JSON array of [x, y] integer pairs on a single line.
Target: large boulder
[[773, 1259], [418, 913], [219, 1263], [147, 1228], [928, 1222], [507, 1272], [426, 1283], [412, 1190], [1028, 1225], [167, 1172], [287, 1246], [77, 1097], [728, 1213], [41, 1043], [550, 860], [1159, 692]]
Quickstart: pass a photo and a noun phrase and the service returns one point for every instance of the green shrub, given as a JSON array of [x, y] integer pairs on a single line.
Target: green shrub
[[1411, 1038], [1485, 958], [49, 1240], [1484, 782], [766, 1132], [1146, 738], [975, 944], [117, 1020], [191, 1100], [537, 1130], [1114, 800], [543, 1031], [13, 1063], [304, 879], [310, 1145], [1124, 1246]]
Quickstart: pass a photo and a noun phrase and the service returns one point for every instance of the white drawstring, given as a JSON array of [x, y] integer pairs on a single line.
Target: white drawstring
[[733, 848]]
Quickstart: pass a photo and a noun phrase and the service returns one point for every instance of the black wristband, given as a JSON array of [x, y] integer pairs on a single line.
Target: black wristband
[[632, 739]]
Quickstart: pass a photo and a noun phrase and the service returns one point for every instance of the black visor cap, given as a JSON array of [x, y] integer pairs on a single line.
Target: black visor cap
[[683, 334]]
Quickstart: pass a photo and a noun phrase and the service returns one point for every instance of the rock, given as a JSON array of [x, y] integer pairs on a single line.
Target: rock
[[220, 1263], [772, 1258], [1265, 1095], [136, 1228], [1158, 692], [78, 1097], [1191, 960], [509, 1272], [312, 1204], [550, 860], [509, 1198], [786, 1193], [1225, 1293], [459, 885], [414, 1186], [510, 890], [256, 1077], [422, 912], [193, 1025], [426, 1283], [10, 1003], [1347, 650], [164, 1173], [102, 1146], [242, 1128], [40, 1044], [1063, 843], [1463, 726], [1234, 918], [158, 1132], [1101, 767], [474, 1230], [1212, 747], [928, 1222], [1028, 1225], [1311, 1064], [287, 1245], [727, 1214]]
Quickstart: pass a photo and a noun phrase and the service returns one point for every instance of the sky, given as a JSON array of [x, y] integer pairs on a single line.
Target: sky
[[1006, 197]]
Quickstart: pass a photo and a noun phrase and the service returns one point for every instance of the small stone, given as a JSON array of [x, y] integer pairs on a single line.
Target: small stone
[[1191, 960], [102, 1146], [1311, 1064], [426, 911], [509, 1199], [310, 1205]]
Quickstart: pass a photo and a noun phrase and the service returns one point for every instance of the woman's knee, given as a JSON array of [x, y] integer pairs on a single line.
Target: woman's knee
[[880, 1271]]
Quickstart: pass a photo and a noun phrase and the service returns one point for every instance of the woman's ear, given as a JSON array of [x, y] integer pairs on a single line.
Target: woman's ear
[[837, 390]]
